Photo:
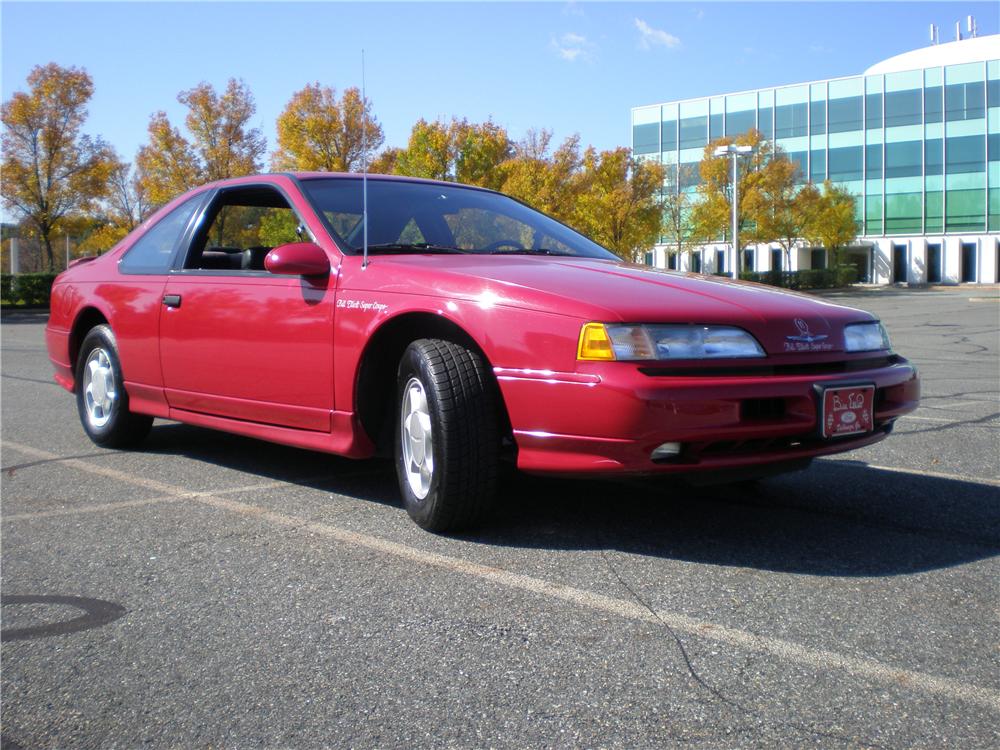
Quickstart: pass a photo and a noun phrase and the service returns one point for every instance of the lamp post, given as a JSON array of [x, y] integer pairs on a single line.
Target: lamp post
[[734, 152]]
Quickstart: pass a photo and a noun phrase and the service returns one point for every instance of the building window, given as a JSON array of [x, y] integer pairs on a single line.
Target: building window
[[672, 261], [817, 166], [817, 258], [748, 260], [646, 138], [696, 261], [873, 111], [650, 259], [846, 164], [720, 261], [903, 99], [776, 259], [903, 159], [965, 101]]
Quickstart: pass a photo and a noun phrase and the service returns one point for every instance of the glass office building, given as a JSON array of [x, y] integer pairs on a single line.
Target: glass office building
[[916, 139]]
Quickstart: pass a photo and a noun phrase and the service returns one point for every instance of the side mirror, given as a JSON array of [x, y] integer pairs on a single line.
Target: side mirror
[[298, 259]]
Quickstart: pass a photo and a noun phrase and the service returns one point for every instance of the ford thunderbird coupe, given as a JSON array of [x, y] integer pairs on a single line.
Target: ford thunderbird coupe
[[474, 330]]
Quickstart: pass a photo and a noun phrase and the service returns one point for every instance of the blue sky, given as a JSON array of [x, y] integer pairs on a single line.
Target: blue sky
[[568, 67]]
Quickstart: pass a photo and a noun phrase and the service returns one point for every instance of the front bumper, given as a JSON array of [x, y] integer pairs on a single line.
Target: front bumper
[[610, 419]]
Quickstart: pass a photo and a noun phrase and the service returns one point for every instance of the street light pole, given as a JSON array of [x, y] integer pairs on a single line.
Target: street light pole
[[734, 152]]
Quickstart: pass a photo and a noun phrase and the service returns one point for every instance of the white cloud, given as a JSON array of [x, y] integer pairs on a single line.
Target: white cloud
[[572, 47], [572, 8], [650, 37]]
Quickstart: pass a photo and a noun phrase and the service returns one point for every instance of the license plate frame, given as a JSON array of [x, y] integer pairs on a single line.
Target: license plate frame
[[846, 410]]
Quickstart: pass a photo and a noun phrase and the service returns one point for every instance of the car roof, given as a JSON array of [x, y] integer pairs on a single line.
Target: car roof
[[245, 179]]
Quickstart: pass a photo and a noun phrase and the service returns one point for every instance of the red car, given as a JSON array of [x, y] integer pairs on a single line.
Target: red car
[[478, 330]]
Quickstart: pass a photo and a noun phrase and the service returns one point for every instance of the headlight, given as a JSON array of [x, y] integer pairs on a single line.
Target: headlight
[[599, 341], [865, 337]]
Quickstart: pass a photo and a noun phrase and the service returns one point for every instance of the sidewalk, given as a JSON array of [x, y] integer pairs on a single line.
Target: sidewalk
[[990, 291]]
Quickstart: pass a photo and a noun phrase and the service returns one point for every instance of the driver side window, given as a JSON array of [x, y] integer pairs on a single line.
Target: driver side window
[[242, 227]]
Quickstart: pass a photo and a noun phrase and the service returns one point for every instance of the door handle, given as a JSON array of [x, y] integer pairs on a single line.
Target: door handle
[[172, 300]]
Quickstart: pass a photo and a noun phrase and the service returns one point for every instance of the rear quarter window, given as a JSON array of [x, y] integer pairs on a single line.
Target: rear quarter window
[[153, 252]]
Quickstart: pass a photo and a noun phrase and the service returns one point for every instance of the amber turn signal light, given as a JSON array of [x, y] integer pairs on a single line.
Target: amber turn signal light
[[595, 344]]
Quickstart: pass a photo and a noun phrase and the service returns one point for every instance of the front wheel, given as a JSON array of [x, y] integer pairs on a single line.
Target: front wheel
[[100, 393], [447, 435]]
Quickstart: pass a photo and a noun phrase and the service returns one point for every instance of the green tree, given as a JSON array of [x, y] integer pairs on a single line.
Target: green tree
[[222, 144], [51, 170], [829, 218], [318, 132], [620, 206]]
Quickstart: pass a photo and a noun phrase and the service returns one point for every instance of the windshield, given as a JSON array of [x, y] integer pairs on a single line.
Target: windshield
[[416, 217]]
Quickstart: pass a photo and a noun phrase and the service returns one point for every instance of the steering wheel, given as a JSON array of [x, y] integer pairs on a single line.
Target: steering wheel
[[493, 246]]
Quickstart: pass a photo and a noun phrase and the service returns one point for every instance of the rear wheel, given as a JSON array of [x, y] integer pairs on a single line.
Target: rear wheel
[[447, 435], [100, 393]]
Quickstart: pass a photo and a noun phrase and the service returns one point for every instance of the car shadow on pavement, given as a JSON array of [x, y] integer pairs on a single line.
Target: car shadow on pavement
[[837, 518]]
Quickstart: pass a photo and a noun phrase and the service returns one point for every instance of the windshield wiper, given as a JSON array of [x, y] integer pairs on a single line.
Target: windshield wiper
[[411, 247], [530, 251]]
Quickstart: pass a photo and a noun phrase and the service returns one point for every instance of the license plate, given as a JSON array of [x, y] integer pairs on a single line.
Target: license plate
[[847, 410]]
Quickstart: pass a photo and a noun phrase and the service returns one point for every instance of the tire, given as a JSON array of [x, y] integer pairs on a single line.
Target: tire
[[101, 398], [447, 401]]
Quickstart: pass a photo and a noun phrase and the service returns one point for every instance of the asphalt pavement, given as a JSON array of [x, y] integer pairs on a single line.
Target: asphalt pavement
[[215, 591]]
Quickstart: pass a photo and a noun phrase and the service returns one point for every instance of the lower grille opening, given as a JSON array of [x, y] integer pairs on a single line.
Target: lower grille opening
[[762, 408]]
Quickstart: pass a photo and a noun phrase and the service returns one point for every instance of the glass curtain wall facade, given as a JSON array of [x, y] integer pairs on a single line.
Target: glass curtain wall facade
[[919, 149]]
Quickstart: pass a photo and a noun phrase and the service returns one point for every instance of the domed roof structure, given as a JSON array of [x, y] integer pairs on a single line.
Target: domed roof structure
[[975, 49]]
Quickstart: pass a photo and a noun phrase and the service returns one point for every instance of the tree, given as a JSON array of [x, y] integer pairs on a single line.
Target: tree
[[429, 152], [778, 208], [829, 218], [620, 207], [51, 170], [385, 163], [125, 208], [479, 152], [677, 226], [711, 216], [470, 153], [221, 142], [318, 132], [550, 183], [168, 164]]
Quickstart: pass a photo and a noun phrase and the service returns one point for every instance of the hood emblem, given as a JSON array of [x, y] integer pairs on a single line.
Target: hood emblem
[[805, 340], [805, 335]]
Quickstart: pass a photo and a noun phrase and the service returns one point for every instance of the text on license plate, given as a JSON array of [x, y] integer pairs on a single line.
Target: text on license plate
[[848, 410]]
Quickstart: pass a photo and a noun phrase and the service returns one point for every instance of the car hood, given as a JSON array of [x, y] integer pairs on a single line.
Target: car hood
[[607, 291]]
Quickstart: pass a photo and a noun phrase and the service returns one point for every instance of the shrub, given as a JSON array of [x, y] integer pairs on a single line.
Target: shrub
[[812, 278], [29, 289]]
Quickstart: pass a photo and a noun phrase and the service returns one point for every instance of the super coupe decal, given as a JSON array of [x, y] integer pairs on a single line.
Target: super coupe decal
[[362, 304]]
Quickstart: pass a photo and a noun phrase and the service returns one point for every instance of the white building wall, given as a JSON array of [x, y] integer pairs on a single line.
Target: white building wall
[[881, 249]]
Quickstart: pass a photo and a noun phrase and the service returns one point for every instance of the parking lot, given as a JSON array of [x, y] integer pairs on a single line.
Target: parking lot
[[212, 590]]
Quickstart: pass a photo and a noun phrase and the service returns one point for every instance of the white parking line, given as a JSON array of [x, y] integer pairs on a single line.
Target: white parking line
[[171, 498], [939, 475], [820, 659]]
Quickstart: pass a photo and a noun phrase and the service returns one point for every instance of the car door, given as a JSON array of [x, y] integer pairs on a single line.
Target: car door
[[237, 341], [134, 301]]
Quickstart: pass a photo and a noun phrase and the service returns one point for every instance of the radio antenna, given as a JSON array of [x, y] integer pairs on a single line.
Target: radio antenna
[[364, 165]]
